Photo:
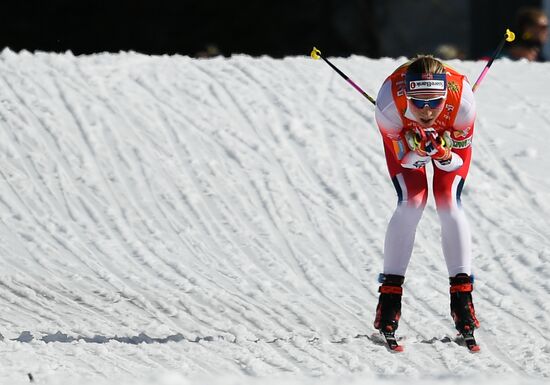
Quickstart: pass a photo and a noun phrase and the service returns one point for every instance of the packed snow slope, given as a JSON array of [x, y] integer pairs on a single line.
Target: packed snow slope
[[227, 216]]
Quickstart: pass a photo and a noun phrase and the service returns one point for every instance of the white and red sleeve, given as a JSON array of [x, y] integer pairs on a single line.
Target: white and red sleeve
[[386, 114], [466, 115]]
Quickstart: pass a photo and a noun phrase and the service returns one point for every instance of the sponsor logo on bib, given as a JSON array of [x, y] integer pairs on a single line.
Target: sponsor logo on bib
[[462, 143]]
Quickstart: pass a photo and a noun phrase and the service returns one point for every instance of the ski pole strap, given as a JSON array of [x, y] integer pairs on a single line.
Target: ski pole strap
[[462, 288], [390, 290]]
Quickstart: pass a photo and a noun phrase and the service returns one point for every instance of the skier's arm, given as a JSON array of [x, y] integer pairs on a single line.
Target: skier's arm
[[387, 117], [462, 131], [390, 123], [463, 128]]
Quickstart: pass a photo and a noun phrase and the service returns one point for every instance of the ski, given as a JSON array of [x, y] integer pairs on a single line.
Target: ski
[[391, 342], [470, 341]]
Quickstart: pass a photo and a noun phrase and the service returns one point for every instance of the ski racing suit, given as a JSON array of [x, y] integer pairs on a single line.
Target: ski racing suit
[[456, 120]]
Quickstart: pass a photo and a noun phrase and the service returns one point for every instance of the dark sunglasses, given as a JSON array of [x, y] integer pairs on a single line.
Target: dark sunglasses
[[431, 103]]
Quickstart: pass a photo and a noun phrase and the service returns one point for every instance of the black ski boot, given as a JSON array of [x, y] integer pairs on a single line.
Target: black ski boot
[[388, 310], [462, 309]]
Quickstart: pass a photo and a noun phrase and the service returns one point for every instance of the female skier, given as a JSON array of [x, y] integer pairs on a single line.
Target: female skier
[[425, 112]]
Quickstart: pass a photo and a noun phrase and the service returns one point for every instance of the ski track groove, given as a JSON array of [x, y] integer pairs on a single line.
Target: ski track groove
[[98, 167], [289, 247], [189, 157], [305, 165], [197, 215]]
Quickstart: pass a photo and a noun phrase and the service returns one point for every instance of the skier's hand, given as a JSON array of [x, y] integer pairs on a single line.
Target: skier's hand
[[416, 140], [441, 146], [427, 142], [427, 145]]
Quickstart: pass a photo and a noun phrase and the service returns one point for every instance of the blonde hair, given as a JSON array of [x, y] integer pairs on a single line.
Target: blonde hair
[[425, 64]]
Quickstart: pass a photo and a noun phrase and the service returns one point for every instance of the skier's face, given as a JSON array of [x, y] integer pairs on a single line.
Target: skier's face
[[426, 110]]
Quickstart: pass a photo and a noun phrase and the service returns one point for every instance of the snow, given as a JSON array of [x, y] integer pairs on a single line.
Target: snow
[[170, 220]]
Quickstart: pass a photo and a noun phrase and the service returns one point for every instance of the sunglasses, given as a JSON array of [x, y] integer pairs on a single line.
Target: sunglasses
[[431, 103]]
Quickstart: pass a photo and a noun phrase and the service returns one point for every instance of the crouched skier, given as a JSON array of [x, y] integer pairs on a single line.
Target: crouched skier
[[425, 112]]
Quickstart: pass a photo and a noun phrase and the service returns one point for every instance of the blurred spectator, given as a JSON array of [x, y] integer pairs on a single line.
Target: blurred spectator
[[531, 29], [210, 50], [449, 51]]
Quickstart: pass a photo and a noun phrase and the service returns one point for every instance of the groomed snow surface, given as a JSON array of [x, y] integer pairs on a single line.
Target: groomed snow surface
[[168, 220]]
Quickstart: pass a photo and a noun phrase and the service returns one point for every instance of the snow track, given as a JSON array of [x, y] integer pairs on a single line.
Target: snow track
[[226, 217]]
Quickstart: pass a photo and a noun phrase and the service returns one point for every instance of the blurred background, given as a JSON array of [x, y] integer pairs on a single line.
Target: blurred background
[[466, 29]]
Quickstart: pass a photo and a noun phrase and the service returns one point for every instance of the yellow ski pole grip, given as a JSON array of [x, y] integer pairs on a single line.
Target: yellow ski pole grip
[[315, 53]]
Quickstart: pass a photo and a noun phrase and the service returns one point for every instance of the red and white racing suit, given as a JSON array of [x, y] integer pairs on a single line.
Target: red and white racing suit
[[394, 119]]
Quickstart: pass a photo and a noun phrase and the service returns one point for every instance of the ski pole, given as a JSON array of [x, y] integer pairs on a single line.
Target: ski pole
[[316, 54], [508, 36]]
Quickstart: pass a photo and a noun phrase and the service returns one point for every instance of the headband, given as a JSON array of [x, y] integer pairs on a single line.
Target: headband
[[425, 85]]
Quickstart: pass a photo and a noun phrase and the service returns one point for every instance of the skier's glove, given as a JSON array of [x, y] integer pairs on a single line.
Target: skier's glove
[[416, 140], [417, 157], [427, 142], [425, 145], [440, 146], [440, 152]]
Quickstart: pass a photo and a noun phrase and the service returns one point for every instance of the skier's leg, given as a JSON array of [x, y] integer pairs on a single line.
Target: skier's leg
[[412, 193], [455, 229], [399, 240], [456, 242]]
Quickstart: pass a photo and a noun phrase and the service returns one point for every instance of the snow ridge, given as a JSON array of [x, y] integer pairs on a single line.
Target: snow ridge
[[226, 216]]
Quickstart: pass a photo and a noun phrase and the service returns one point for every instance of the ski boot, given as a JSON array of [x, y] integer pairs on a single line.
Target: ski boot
[[388, 310], [462, 308]]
